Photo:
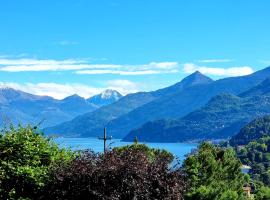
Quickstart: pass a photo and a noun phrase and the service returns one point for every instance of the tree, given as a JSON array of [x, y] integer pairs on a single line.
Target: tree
[[254, 130], [151, 153], [126, 173], [257, 157], [213, 173], [26, 157], [263, 194]]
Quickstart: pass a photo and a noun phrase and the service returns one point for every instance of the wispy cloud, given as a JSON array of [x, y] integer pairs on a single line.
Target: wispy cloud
[[215, 61], [123, 86], [84, 67], [217, 71], [119, 72], [144, 69], [65, 42], [30, 61], [60, 91], [20, 55]]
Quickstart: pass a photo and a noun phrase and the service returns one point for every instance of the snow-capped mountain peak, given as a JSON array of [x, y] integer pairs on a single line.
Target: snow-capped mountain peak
[[106, 97], [109, 93]]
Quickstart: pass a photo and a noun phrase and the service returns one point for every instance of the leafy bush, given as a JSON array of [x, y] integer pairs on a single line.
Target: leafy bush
[[256, 155], [151, 153], [126, 173], [214, 173], [25, 160], [263, 193]]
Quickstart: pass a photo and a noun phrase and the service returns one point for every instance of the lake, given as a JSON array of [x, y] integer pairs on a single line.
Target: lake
[[177, 149]]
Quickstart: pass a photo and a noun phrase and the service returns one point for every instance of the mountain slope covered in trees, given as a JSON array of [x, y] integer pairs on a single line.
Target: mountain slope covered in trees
[[91, 124], [254, 130], [222, 117], [176, 101]]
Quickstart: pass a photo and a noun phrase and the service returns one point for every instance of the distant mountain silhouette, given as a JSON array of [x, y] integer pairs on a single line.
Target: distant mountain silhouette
[[176, 101], [20, 107], [222, 117], [91, 124], [254, 130], [261, 89]]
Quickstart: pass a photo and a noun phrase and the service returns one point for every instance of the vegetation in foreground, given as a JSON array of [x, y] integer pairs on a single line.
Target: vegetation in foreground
[[252, 145], [34, 167], [256, 155], [214, 173], [116, 175], [26, 159]]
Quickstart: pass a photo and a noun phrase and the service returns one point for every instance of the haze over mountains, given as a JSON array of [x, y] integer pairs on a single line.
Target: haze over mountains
[[193, 109], [91, 124], [222, 117], [256, 129], [174, 102], [21, 107]]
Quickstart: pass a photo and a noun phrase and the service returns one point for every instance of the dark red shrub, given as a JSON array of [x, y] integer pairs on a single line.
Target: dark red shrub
[[116, 175]]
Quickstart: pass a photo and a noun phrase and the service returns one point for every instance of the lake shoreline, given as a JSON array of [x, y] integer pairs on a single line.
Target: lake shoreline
[[179, 150]]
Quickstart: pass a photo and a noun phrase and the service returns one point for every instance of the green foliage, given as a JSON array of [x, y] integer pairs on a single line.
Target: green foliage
[[254, 130], [26, 157], [257, 155], [151, 153], [222, 117], [214, 173], [263, 194]]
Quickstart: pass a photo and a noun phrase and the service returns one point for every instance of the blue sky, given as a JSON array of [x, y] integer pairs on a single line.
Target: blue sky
[[85, 46]]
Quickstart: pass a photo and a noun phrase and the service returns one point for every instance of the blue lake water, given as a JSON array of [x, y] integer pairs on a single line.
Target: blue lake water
[[179, 150]]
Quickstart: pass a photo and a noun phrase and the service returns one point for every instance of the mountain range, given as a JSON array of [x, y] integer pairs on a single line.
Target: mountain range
[[222, 117], [20, 107], [91, 124], [253, 131], [128, 117]]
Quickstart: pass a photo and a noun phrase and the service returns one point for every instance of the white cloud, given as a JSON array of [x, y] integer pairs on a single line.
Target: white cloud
[[215, 60], [66, 42], [217, 71], [144, 72], [31, 61], [55, 67], [60, 91], [123, 86], [83, 67], [163, 65], [151, 68]]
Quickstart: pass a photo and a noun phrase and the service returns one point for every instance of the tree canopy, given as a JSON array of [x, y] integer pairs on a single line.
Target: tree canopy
[[214, 173], [254, 130], [26, 157], [125, 173]]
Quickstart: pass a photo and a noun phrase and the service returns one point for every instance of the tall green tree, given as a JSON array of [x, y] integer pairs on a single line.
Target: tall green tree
[[256, 154], [214, 173], [26, 157], [151, 153], [263, 194]]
